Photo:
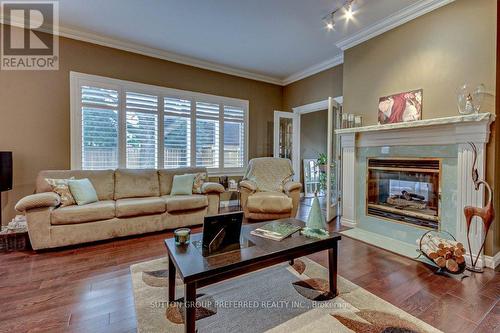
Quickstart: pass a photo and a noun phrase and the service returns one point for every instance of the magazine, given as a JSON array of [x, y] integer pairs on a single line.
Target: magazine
[[276, 230]]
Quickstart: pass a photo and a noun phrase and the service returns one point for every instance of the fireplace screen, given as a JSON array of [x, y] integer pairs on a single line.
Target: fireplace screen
[[405, 190]]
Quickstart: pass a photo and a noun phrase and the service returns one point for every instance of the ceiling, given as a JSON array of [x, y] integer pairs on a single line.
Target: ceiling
[[273, 40]]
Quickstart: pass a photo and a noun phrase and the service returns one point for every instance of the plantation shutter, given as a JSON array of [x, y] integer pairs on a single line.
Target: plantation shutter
[[207, 135], [234, 137], [99, 112], [177, 133], [141, 130]]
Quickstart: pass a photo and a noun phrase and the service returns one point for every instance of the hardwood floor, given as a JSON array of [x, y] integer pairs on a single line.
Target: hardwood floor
[[88, 288]]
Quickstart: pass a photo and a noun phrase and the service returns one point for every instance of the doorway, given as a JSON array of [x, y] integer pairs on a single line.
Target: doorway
[[307, 138]]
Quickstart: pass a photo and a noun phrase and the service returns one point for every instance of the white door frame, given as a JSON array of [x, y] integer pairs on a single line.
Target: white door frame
[[314, 107], [295, 139]]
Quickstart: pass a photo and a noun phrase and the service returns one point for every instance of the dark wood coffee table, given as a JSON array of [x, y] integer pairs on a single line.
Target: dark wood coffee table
[[197, 271]]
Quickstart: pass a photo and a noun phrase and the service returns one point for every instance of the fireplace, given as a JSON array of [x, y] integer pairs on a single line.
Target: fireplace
[[404, 190]]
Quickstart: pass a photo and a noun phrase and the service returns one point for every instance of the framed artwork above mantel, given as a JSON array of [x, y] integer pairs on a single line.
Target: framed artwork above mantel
[[401, 107]]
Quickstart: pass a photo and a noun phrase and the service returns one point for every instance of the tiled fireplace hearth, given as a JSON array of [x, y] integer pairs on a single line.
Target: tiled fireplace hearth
[[400, 180]]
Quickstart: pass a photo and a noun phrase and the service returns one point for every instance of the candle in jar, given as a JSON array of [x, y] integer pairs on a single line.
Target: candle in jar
[[182, 236]]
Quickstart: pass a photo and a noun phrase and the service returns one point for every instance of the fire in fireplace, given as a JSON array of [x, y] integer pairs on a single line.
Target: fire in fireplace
[[405, 190]]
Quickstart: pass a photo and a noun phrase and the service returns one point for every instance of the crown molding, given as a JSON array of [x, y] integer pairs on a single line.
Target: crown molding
[[335, 61], [395, 20], [164, 55]]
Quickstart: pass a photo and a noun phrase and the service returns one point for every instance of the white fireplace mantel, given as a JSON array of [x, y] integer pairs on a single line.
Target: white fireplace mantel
[[459, 130], [438, 131]]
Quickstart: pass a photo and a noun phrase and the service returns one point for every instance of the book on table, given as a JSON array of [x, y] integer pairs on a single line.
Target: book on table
[[276, 230]]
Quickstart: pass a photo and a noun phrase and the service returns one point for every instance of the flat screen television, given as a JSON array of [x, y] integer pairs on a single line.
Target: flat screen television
[[5, 171]]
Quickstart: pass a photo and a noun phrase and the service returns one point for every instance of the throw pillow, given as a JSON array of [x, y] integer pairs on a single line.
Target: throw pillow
[[60, 186], [183, 184], [83, 191], [199, 179]]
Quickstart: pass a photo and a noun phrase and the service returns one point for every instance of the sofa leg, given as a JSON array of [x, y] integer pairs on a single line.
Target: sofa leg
[[292, 262]]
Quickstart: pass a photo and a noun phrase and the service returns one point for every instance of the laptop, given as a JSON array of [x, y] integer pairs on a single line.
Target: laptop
[[221, 233]]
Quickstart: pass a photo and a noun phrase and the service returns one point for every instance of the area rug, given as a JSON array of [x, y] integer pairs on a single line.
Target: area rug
[[281, 298]]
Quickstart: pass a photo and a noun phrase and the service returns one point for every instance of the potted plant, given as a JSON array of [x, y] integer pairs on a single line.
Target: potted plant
[[322, 162]]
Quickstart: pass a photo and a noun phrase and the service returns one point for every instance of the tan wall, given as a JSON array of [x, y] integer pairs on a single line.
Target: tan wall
[[314, 88], [313, 136], [35, 106], [437, 52]]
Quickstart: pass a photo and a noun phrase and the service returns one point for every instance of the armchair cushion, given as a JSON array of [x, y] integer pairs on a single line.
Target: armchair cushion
[[39, 200], [292, 186], [211, 188], [269, 202]]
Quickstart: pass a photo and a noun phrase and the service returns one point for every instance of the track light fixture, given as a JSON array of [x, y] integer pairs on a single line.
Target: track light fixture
[[329, 19]]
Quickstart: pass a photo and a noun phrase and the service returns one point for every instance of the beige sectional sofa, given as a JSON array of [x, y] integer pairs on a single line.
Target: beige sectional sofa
[[130, 202]]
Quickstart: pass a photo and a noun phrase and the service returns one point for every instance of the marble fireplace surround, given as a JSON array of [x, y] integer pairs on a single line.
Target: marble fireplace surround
[[453, 132]]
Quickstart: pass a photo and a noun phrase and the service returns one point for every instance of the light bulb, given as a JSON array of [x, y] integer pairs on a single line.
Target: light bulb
[[330, 22], [349, 13]]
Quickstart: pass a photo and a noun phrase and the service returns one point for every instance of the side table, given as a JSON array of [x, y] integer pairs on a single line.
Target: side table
[[238, 195]]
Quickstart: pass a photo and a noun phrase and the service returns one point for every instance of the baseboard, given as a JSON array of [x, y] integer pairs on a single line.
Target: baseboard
[[347, 222], [492, 262], [484, 261]]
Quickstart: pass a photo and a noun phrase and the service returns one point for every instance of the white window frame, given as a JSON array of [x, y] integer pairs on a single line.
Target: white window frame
[[77, 80]]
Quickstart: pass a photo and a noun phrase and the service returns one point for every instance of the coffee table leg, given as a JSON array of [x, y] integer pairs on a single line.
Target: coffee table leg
[[332, 269], [190, 307], [171, 280]]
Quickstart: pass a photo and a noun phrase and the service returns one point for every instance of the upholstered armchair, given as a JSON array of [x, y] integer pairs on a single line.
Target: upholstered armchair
[[267, 190]]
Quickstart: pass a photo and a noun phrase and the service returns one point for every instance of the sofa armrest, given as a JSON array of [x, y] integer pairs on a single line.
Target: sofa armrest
[[39, 200], [292, 186], [211, 188], [249, 185]]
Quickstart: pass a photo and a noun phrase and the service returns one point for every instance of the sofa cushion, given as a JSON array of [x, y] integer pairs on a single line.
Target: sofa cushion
[[83, 191], [140, 206], [130, 183], [182, 184], [103, 180], [97, 211], [269, 202], [185, 202], [166, 177]]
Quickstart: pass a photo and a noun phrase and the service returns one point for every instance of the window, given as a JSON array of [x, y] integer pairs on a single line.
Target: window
[[177, 134], [234, 137], [117, 123], [207, 134], [142, 131], [99, 125]]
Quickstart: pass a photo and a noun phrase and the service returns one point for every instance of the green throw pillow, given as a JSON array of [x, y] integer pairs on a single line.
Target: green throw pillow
[[83, 191], [183, 184]]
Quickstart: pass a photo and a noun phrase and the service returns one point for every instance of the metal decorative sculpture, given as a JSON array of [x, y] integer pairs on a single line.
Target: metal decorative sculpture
[[486, 214]]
